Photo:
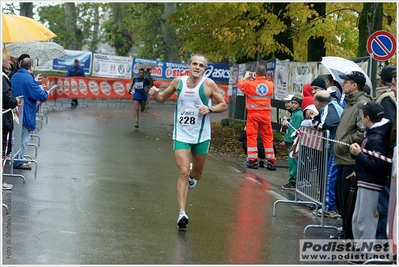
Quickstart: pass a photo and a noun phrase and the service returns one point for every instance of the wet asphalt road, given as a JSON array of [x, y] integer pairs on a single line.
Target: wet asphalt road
[[105, 194]]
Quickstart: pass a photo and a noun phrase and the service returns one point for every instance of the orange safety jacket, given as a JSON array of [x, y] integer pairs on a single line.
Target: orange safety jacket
[[258, 102], [258, 93]]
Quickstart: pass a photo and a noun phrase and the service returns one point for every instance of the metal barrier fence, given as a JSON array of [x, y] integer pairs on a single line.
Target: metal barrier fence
[[311, 180], [16, 143]]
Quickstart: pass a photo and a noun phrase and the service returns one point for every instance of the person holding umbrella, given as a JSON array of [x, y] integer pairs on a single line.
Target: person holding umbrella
[[74, 71]]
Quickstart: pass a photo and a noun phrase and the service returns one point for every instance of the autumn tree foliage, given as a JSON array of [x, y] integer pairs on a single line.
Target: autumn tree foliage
[[223, 31]]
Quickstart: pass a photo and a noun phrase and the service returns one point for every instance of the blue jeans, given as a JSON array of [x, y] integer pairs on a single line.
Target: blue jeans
[[332, 172], [382, 208], [25, 138]]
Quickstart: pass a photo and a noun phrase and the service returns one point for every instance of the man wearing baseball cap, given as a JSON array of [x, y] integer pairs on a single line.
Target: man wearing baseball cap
[[350, 130], [370, 170]]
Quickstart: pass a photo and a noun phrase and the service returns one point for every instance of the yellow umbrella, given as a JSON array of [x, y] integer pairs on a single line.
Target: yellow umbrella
[[23, 29]]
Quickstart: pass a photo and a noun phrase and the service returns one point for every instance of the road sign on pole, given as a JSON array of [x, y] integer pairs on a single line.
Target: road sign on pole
[[381, 45]]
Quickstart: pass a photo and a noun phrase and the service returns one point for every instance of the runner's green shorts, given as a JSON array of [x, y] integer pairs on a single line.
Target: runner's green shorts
[[200, 148]]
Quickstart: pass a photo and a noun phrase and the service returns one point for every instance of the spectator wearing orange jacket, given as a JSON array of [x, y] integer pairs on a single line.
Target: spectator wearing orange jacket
[[259, 92]]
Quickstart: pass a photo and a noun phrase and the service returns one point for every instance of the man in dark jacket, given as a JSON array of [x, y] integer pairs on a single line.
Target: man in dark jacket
[[9, 103], [350, 130], [75, 71], [369, 169]]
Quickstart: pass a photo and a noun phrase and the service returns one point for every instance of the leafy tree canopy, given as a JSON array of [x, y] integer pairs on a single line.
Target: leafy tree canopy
[[218, 30]]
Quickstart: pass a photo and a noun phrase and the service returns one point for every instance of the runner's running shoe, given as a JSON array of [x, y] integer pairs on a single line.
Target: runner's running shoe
[[182, 219], [192, 182]]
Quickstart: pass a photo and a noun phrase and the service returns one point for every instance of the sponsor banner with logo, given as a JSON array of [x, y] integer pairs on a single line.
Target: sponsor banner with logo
[[110, 66], [62, 64], [79, 87], [220, 73]]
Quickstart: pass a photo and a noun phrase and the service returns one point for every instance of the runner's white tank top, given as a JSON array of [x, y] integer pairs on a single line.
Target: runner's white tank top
[[190, 126]]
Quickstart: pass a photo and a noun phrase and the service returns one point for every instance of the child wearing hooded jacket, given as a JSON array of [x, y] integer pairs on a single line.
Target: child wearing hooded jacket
[[369, 169], [295, 121]]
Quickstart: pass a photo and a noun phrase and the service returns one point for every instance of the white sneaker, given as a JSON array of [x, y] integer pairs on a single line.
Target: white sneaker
[[7, 186], [182, 219], [191, 183]]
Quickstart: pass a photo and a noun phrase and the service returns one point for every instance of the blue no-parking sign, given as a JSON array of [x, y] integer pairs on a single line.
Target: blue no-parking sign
[[381, 45]]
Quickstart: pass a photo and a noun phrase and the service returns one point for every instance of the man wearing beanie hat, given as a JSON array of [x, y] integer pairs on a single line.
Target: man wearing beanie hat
[[386, 75], [387, 98], [318, 84], [328, 119]]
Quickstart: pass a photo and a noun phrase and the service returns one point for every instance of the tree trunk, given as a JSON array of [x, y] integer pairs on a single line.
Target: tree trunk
[[124, 36], [283, 37], [370, 20], [118, 20], [316, 47], [75, 41], [96, 30], [169, 33], [26, 9]]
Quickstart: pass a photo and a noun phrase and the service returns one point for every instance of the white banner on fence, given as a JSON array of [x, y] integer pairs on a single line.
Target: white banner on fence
[[109, 66], [281, 79], [301, 73]]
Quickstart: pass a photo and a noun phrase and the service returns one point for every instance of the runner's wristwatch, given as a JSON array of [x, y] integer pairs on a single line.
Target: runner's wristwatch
[[210, 109]]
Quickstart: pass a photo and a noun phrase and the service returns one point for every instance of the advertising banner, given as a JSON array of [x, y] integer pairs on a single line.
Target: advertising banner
[[281, 79], [233, 80], [270, 69], [62, 64], [300, 74], [109, 66], [84, 87], [220, 73]]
